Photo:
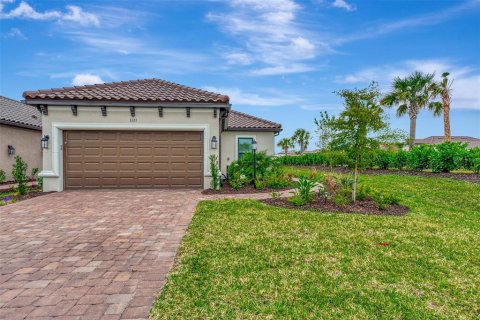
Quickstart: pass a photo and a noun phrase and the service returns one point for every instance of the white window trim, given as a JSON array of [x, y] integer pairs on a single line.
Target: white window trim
[[57, 141], [254, 137]]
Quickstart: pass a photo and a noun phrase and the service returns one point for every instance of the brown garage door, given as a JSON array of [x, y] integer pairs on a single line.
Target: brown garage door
[[133, 159]]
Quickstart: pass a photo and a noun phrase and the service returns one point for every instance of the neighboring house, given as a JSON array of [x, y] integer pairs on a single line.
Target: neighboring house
[[471, 141], [20, 134], [141, 134]]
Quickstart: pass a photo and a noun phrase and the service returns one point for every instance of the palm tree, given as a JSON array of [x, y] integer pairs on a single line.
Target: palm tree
[[410, 95], [285, 144], [302, 137], [443, 88]]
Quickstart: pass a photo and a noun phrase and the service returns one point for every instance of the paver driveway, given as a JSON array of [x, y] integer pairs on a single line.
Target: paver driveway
[[90, 254]]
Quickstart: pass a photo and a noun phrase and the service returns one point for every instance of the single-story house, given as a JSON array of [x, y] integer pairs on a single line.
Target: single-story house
[[141, 134], [20, 134], [471, 141]]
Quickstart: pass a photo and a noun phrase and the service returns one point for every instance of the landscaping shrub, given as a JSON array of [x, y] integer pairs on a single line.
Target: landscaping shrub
[[214, 171], [19, 173], [382, 200], [265, 165], [399, 160], [2, 176], [471, 159], [384, 159], [323, 158], [269, 172], [419, 157], [343, 197], [303, 192], [276, 179], [447, 156]]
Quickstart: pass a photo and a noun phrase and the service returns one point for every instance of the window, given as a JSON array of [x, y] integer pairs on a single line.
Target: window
[[244, 146]]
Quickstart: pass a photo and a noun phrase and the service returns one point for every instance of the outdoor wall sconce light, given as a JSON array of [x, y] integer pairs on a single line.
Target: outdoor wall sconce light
[[11, 150], [44, 141], [214, 142]]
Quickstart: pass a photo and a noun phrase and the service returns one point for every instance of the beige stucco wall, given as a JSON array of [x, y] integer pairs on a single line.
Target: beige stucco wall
[[60, 118], [265, 142], [27, 145]]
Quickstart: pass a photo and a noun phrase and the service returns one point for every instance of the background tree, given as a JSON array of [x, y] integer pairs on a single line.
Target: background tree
[[302, 137], [286, 144], [410, 95], [443, 88], [356, 125], [324, 130]]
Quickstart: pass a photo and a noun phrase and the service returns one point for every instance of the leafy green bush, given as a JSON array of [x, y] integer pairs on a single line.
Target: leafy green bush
[[3, 176], [323, 158], [297, 201], [277, 179], [471, 159], [382, 200], [214, 171], [447, 156], [244, 166], [303, 189], [343, 197], [19, 173], [399, 160], [384, 159], [419, 157]]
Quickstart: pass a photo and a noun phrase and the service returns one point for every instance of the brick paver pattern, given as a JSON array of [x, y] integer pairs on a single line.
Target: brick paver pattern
[[101, 254]]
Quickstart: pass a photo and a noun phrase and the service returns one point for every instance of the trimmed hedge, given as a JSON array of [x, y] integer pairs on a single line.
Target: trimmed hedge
[[444, 157]]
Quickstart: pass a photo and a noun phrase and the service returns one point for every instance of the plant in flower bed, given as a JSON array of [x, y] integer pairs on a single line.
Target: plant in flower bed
[[303, 191]]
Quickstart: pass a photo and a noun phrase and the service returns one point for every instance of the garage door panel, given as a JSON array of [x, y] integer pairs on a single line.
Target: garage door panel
[[133, 159]]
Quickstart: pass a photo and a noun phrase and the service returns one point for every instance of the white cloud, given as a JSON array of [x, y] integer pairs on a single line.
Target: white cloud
[[343, 5], [290, 69], [76, 14], [14, 33], [239, 97], [82, 79], [73, 14], [465, 85], [239, 58], [25, 11], [268, 34]]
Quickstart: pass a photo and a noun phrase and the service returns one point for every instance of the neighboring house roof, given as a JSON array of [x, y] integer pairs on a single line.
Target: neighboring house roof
[[142, 91], [238, 121], [472, 142], [15, 113]]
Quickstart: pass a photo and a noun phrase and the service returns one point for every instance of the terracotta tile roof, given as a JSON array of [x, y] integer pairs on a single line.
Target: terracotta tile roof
[[472, 142], [238, 121], [147, 90], [19, 114]]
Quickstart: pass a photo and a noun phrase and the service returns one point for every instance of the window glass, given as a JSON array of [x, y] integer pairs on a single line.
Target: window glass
[[244, 146]]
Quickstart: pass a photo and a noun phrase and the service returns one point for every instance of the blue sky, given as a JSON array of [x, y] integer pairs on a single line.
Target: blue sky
[[280, 60]]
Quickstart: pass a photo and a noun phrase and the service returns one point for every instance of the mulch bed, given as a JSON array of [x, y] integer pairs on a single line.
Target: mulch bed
[[226, 189], [469, 177], [366, 206]]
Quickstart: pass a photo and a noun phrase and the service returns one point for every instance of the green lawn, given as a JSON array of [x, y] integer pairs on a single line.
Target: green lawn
[[242, 259]]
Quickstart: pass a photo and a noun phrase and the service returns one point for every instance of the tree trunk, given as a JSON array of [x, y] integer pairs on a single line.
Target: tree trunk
[[355, 173], [413, 128], [446, 118], [285, 150]]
